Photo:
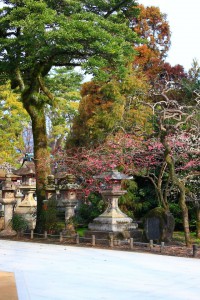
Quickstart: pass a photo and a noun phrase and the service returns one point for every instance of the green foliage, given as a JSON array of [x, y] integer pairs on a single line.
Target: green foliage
[[72, 33], [87, 212], [13, 120], [179, 236], [146, 198], [19, 223], [128, 202], [65, 85], [81, 231]]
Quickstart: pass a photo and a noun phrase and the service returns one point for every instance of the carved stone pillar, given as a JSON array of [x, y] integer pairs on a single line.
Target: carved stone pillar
[[27, 208], [8, 200]]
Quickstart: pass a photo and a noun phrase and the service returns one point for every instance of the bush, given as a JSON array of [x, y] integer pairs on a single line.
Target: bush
[[88, 212], [19, 223]]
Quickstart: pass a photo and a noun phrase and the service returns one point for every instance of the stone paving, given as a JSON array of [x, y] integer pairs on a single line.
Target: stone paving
[[58, 272]]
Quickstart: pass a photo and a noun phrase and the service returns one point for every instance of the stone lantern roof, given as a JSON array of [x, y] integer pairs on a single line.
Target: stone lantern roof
[[3, 175], [113, 175], [27, 168]]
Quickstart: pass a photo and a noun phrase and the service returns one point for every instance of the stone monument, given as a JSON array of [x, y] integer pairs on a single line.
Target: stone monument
[[159, 225]]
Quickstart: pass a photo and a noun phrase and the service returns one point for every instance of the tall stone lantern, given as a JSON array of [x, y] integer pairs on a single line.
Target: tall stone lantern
[[8, 200], [68, 191], [113, 220]]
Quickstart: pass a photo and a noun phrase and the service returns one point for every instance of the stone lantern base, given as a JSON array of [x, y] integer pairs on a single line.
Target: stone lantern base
[[114, 224], [113, 220], [27, 208], [8, 232]]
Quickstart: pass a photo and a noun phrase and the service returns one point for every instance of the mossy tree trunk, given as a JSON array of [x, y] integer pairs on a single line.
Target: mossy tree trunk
[[157, 183], [198, 221], [181, 186], [41, 152]]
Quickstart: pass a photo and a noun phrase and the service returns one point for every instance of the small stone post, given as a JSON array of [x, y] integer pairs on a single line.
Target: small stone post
[[131, 243], [77, 239], [93, 240], [111, 240], [61, 237], [162, 246]]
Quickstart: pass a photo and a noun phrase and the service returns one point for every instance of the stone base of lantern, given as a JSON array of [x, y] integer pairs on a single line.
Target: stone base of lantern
[[8, 232], [27, 208], [113, 220], [136, 234], [112, 224]]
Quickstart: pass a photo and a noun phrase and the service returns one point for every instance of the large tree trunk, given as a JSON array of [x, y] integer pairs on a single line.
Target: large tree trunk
[[184, 210], [198, 221], [42, 161], [181, 187], [41, 154]]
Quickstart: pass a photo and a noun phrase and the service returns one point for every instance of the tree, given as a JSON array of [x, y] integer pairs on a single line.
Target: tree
[[106, 108], [181, 123], [39, 35], [170, 156], [152, 25], [65, 85], [13, 121]]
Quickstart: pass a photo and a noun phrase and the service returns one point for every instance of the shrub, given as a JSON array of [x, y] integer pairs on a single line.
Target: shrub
[[19, 223]]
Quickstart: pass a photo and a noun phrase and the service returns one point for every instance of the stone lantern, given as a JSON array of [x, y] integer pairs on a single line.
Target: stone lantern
[[113, 220], [8, 200], [68, 194]]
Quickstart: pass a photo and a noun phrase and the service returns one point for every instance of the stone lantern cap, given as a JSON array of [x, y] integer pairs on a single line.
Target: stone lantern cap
[[70, 186], [8, 184], [27, 168], [113, 175]]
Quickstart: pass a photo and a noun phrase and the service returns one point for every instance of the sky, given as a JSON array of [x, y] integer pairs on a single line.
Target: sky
[[184, 21]]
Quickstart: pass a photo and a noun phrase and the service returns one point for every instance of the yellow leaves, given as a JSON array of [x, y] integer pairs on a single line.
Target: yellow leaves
[[13, 119], [12, 102]]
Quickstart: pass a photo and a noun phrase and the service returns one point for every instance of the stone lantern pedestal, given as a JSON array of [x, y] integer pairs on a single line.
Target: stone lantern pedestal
[[51, 187], [113, 220], [70, 205], [18, 196], [27, 208], [69, 200], [8, 200]]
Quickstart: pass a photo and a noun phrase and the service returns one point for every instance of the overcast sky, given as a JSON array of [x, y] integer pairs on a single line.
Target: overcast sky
[[184, 20]]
